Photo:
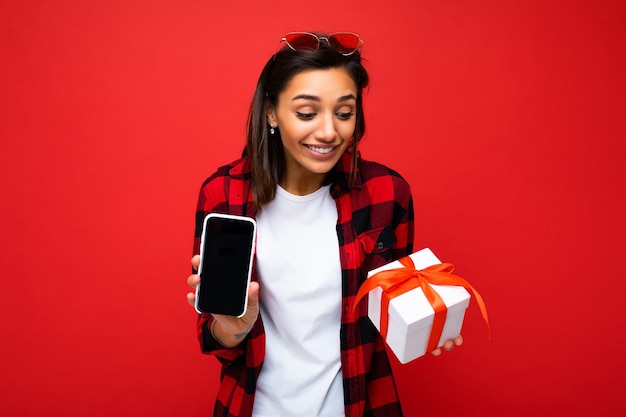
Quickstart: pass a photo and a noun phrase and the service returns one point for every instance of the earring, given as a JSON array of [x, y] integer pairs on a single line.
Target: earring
[[272, 130]]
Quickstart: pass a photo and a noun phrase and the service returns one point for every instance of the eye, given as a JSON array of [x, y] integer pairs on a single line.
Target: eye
[[305, 116], [344, 115]]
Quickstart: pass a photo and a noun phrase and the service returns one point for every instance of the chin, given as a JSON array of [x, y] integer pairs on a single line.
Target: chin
[[322, 168]]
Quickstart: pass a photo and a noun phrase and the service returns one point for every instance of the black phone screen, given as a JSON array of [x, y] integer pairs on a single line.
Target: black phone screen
[[226, 261]]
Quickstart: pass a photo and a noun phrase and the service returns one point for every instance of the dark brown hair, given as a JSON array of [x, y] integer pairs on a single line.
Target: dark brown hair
[[267, 154]]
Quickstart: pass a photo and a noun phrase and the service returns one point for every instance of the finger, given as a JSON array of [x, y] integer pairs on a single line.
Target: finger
[[253, 294], [195, 262], [193, 280], [436, 352], [458, 341], [191, 299], [448, 345]]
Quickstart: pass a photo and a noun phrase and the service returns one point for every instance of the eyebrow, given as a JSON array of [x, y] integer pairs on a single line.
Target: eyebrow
[[311, 97]]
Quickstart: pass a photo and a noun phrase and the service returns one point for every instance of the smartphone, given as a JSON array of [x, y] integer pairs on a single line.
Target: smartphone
[[226, 253]]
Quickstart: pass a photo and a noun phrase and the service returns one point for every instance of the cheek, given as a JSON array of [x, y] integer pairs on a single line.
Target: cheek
[[295, 128], [291, 136], [346, 130]]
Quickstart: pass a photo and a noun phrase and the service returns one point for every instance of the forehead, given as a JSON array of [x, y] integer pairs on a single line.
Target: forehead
[[328, 83]]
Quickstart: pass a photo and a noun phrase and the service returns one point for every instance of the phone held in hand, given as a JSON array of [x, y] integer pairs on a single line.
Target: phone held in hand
[[226, 253]]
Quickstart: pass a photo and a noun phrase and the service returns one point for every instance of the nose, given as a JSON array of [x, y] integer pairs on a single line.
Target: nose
[[326, 130]]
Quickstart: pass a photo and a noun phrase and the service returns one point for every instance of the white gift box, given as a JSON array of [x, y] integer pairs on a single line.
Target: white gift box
[[410, 315]]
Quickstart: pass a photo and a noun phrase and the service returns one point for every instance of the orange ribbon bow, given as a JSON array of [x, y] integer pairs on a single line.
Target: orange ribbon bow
[[395, 282]]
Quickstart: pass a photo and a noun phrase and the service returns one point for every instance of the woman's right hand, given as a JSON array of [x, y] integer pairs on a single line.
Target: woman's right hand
[[229, 331]]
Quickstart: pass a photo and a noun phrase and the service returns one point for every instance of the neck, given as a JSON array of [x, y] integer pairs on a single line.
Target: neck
[[304, 185]]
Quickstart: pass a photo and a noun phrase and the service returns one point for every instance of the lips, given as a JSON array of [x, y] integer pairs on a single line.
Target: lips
[[322, 150]]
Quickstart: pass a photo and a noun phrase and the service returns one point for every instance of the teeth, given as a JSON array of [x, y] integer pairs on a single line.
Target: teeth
[[320, 150]]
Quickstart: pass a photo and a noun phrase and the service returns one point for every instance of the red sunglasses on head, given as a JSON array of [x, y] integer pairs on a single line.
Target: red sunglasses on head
[[346, 43]]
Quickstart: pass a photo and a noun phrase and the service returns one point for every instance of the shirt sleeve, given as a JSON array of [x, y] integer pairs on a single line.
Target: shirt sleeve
[[212, 197]]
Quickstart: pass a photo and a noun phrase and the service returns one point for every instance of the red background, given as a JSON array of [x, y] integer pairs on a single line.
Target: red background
[[507, 118]]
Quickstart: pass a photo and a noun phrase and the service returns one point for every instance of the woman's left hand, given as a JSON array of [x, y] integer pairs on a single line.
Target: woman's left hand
[[448, 345]]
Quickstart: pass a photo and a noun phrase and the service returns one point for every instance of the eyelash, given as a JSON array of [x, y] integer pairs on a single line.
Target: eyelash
[[305, 116], [309, 116]]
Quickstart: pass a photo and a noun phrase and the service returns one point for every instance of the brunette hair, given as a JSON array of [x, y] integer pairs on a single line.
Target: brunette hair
[[266, 153]]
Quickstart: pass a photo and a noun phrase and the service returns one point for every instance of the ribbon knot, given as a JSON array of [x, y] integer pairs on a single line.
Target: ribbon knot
[[397, 281]]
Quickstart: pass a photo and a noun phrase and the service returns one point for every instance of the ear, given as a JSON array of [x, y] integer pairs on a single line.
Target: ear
[[271, 115]]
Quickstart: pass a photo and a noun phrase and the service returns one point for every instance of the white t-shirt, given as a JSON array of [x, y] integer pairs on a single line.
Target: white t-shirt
[[297, 256]]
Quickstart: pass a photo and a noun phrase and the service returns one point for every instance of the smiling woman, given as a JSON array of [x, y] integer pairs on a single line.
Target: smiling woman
[[317, 204], [506, 117], [334, 58], [315, 115]]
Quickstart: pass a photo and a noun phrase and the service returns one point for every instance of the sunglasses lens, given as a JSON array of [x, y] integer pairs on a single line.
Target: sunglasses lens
[[345, 43], [302, 41]]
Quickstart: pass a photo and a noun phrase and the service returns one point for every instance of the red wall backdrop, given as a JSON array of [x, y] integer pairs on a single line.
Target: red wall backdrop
[[507, 118]]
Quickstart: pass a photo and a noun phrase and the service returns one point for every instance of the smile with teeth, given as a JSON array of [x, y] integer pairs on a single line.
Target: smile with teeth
[[320, 150]]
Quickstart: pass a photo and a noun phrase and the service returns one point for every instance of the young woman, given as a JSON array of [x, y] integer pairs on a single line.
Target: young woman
[[325, 217]]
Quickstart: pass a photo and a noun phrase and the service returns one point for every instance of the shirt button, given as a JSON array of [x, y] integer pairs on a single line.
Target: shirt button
[[381, 245]]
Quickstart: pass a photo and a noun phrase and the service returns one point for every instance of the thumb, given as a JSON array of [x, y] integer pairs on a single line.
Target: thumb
[[253, 294]]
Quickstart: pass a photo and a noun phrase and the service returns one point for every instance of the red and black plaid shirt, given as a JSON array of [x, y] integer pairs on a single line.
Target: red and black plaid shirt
[[374, 227]]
